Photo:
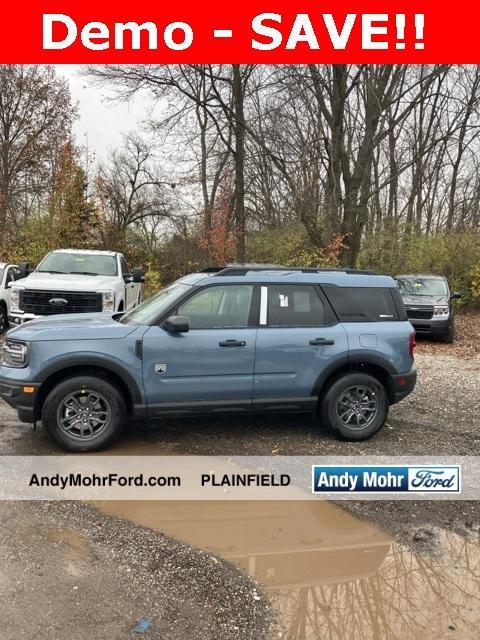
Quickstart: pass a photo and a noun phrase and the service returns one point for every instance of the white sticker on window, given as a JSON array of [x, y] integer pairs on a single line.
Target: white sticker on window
[[283, 300]]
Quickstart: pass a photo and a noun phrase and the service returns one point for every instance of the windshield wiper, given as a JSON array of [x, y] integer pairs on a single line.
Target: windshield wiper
[[64, 273], [84, 273]]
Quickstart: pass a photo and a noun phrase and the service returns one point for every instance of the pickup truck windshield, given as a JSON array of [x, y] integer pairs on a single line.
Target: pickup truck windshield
[[150, 309], [422, 286], [79, 263]]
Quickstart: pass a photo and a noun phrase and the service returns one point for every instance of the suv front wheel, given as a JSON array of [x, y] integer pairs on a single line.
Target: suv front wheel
[[83, 413], [355, 406]]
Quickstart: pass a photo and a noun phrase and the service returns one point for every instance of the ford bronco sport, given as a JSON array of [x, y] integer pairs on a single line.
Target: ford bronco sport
[[227, 340]]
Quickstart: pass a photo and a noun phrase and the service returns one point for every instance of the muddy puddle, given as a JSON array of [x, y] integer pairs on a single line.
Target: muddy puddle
[[328, 575]]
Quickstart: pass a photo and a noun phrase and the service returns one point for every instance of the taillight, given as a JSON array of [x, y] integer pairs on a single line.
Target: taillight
[[412, 344]]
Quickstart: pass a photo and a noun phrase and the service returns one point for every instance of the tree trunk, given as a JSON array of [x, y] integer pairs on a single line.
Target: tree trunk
[[239, 135]]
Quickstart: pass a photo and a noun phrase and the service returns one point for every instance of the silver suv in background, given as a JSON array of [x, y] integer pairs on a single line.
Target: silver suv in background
[[429, 305]]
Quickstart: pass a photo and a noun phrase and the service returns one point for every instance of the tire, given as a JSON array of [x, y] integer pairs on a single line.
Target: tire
[[449, 338], [88, 432], [3, 319], [334, 407]]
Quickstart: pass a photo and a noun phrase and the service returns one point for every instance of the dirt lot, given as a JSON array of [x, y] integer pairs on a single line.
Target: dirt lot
[[111, 573]]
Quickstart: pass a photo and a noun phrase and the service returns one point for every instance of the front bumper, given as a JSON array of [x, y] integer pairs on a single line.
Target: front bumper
[[21, 396], [403, 384], [432, 327]]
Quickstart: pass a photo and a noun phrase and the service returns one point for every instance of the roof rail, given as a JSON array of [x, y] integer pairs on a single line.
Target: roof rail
[[242, 270]]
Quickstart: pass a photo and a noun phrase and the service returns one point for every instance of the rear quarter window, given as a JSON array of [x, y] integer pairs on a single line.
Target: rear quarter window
[[365, 304]]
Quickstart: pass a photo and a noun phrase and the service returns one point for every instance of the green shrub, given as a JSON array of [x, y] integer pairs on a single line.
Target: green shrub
[[454, 255]]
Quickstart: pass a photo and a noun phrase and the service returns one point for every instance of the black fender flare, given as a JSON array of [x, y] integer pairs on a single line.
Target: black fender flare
[[94, 360], [360, 357]]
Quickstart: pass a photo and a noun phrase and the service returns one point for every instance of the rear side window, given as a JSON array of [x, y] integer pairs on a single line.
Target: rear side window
[[294, 306], [362, 304]]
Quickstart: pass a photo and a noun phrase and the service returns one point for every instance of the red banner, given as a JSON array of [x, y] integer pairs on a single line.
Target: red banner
[[251, 31]]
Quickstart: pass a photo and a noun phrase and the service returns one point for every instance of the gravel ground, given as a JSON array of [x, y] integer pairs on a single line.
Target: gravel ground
[[70, 572]]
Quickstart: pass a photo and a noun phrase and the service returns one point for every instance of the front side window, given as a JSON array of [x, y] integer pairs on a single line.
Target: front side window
[[124, 266], [10, 276], [294, 306], [219, 307]]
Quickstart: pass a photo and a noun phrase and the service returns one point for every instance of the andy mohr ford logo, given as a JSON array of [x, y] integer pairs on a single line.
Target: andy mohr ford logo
[[391, 478]]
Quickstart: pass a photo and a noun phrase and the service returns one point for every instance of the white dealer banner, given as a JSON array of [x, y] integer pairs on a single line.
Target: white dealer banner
[[96, 477]]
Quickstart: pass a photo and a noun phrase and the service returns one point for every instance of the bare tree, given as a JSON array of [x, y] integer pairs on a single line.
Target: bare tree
[[35, 120], [130, 189]]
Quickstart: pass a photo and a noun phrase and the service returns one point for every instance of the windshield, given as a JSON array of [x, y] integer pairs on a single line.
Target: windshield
[[146, 312], [80, 263], [2, 271], [422, 286]]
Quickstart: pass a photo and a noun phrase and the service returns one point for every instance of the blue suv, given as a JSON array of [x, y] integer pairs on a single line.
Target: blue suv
[[226, 340]]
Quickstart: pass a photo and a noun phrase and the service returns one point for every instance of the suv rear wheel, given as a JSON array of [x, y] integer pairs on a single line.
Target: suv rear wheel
[[355, 406], [83, 413]]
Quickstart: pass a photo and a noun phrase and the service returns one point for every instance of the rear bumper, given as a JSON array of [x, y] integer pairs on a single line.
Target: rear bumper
[[403, 384], [21, 397]]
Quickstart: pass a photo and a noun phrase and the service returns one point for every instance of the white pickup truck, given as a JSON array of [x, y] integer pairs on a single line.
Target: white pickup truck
[[8, 273], [75, 281]]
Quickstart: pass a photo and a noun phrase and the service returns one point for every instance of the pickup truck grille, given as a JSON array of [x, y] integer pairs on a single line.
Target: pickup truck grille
[[40, 302], [423, 313]]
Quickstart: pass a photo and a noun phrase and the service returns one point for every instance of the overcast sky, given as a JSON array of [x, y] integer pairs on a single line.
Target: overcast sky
[[102, 121]]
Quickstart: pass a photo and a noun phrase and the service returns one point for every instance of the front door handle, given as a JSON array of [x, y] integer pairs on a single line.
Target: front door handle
[[232, 343], [321, 341]]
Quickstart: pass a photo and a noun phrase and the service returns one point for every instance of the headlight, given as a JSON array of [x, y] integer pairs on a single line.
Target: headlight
[[108, 300], [15, 300], [15, 354], [440, 311]]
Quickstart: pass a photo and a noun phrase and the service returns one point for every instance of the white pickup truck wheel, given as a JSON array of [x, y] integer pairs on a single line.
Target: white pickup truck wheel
[[3, 319]]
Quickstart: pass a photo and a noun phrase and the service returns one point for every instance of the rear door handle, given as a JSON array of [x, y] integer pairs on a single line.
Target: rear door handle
[[320, 341], [232, 343]]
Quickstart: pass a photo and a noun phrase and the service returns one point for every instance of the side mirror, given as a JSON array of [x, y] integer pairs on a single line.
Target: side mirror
[[177, 324], [455, 295], [138, 274], [23, 269]]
